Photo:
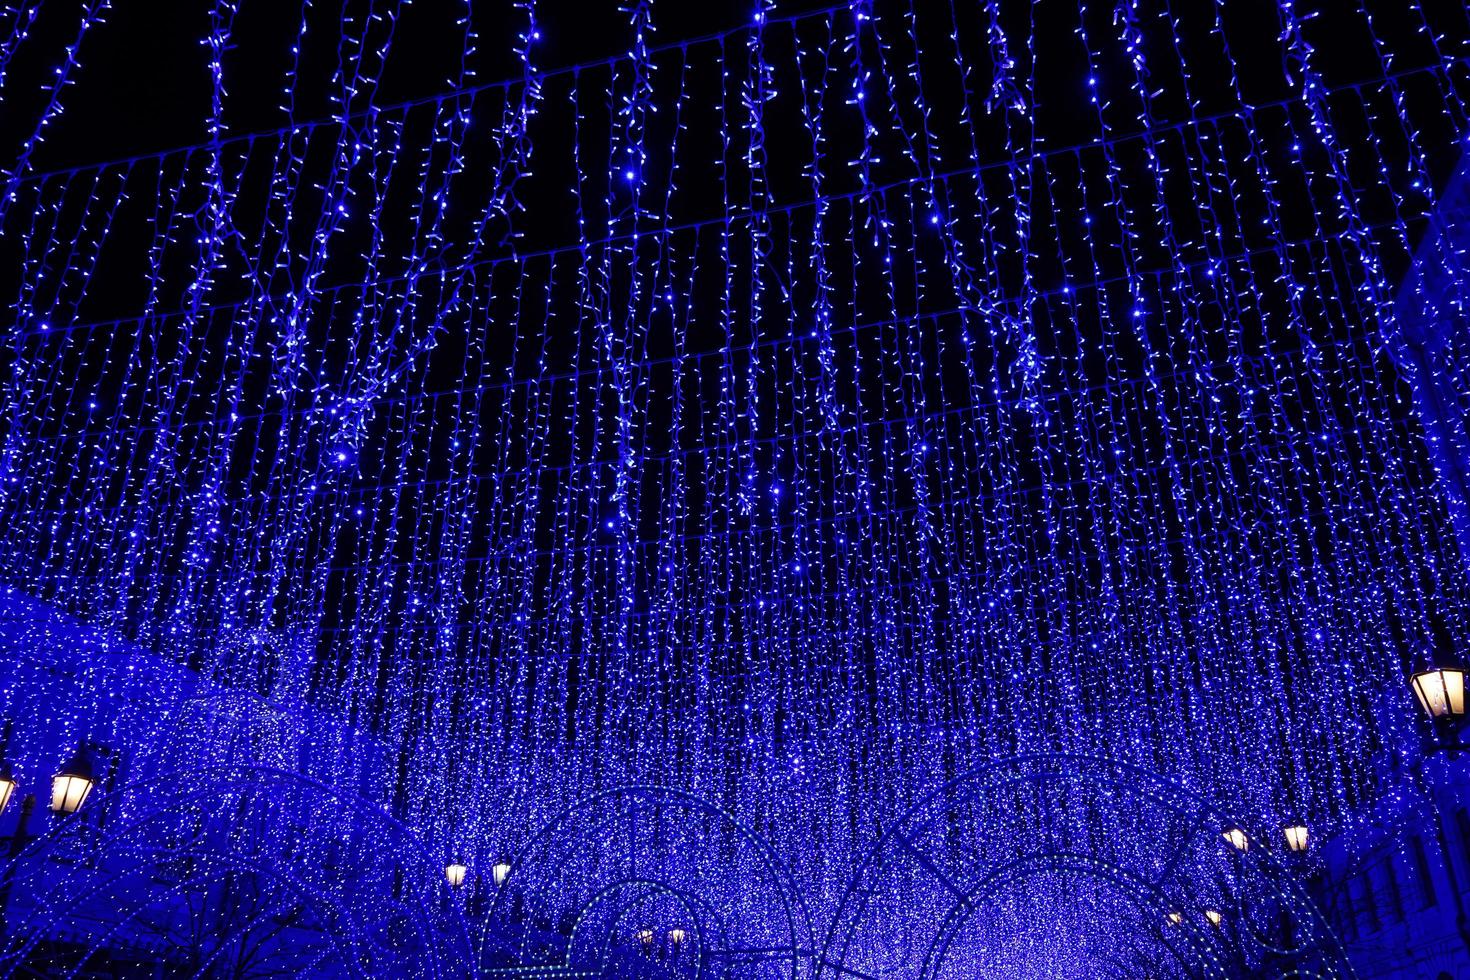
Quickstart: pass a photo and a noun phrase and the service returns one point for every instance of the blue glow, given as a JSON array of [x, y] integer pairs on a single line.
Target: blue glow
[[858, 485]]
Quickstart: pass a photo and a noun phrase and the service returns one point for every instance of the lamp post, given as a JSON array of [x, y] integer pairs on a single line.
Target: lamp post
[[1296, 837], [17, 844], [7, 775], [7, 784], [1441, 695], [73, 783], [1440, 692], [499, 872], [454, 873]]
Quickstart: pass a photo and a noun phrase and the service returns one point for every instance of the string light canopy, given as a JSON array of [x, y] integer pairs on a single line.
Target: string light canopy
[[796, 408]]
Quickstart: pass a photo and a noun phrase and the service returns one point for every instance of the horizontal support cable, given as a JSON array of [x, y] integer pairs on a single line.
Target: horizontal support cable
[[436, 269]]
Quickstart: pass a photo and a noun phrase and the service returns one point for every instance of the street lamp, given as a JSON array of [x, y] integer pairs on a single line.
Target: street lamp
[[1214, 916], [1441, 695], [1441, 692], [1176, 917], [454, 874], [1238, 839], [499, 872], [7, 775], [1296, 837], [7, 785], [645, 940], [71, 786]]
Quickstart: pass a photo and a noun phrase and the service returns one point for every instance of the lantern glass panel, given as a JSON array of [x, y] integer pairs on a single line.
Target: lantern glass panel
[[1441, 692], [68, 793]]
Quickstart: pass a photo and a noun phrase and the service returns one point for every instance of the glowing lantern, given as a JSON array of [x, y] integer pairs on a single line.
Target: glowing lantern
[[499, 872], [1238, 839], [645, 939], [677, 937], [7, 785], [1175, 918], [1441, 692], [1214, 917], [1296, 837], [73, 784], [455, 873]]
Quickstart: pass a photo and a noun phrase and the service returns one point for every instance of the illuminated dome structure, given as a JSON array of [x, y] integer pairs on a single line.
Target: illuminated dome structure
[[887, 489]]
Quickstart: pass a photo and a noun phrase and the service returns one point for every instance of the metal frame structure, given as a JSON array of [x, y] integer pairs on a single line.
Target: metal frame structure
[[161, 855], [636, 832], [583, 886], [1255, 887]]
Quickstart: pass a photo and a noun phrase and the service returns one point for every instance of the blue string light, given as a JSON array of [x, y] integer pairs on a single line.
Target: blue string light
[[799, 417]]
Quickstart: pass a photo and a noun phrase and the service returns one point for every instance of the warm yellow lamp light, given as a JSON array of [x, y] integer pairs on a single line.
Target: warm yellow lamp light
[[7, 786], [1441, 692], [73, 784]]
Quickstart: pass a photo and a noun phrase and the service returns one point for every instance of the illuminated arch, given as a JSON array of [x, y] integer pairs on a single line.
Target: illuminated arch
[[1156, 843], [1143, 894], [644, 842], [277, 870]]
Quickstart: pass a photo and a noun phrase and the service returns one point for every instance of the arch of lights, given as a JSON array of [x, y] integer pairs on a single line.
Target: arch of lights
[[649, 864], [240, 873], [781, 424], [1143, 863]]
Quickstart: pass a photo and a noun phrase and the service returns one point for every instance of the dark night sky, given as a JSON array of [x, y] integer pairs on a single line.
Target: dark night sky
[[144, 84]]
